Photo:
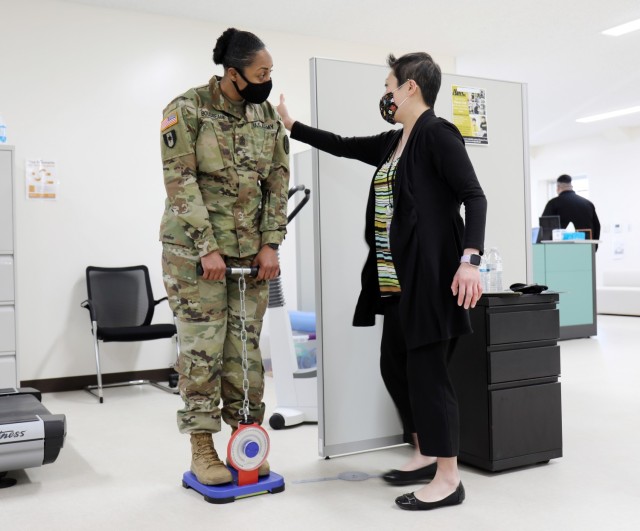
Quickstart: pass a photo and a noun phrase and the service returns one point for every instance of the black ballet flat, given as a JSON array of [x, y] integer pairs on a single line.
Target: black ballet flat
[[411, 503], [401, 477]]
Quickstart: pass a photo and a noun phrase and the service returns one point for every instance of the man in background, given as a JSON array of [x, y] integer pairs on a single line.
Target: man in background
[[573, 208]]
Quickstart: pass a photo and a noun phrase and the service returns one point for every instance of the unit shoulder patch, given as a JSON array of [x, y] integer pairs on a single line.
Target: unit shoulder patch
[[170, 139]]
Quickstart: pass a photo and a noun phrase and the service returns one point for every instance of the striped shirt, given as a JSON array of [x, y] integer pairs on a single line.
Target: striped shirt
[[383, 188]]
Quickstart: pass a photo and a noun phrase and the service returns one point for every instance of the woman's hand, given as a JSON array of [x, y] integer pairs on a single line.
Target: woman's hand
[[267, 262], [466, 285], [284, 114], [213, 266]]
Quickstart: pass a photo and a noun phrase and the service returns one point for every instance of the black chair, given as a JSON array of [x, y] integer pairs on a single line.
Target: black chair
[[121, 306]]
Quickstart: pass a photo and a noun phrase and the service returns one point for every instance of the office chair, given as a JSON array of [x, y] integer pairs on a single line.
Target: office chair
[[121, 306]]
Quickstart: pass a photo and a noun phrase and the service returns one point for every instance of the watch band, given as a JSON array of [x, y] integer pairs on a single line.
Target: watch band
[[472, 259]]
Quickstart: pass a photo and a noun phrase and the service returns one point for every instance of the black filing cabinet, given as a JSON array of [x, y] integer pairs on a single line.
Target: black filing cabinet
[[506, 377]]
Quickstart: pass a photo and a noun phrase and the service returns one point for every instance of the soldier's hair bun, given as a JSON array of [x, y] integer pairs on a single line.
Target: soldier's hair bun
[[222, 45], [236, 48]]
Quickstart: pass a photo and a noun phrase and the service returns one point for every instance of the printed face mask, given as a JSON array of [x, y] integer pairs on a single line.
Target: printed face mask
[[254, 92], [388, 106]]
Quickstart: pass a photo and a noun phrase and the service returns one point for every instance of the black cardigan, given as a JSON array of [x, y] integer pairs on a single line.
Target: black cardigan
[[434, 177]]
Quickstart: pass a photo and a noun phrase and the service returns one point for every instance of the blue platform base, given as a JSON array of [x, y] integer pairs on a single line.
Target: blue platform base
[[230, 492]]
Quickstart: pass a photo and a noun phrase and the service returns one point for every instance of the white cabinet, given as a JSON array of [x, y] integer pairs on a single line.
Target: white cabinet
[[8, 363], [7, 372], [6, 279], [7, 330]]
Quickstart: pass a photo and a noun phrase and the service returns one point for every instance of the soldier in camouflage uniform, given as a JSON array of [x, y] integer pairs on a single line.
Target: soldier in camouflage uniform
[[226, 173]]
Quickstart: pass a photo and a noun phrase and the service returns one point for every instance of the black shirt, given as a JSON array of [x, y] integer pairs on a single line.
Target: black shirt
[[573, 208]]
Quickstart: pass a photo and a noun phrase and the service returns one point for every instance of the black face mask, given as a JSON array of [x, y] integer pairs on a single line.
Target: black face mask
[[388, 105], [254, 92]]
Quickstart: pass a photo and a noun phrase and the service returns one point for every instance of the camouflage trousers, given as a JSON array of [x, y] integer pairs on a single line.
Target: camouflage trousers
[[210, 360]]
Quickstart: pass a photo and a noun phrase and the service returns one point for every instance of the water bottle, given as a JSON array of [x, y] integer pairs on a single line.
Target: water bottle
[[3, 131], [495, 270], [484, 273], [498, 272]]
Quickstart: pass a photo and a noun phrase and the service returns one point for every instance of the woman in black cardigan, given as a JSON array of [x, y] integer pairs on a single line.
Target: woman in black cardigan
[[421, 272]]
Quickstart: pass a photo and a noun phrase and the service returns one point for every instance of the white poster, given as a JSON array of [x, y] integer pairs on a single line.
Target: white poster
[[42, 181]]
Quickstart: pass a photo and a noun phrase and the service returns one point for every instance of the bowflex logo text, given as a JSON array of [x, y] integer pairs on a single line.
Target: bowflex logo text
[[11, 434]]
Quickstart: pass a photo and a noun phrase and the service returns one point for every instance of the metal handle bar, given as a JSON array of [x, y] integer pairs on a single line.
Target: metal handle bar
[[251, 271], [305, 200]]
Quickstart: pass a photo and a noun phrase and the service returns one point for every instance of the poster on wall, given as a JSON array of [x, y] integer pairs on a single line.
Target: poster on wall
[[42, 182], [470, 114]]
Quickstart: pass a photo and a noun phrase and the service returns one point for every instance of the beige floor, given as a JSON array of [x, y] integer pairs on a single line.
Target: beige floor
[[122, 464]]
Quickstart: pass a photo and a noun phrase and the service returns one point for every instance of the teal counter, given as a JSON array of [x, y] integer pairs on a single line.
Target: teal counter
[[569, 268]]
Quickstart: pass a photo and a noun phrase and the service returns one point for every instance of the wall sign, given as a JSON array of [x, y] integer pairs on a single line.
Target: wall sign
[[41, 180], [470, 114]]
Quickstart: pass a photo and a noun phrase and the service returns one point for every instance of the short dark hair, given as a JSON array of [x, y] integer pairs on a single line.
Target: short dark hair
[[236, 48], [564, 179], [422, 69]]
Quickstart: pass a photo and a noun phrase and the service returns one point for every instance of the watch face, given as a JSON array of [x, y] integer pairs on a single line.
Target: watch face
[[474, 259]]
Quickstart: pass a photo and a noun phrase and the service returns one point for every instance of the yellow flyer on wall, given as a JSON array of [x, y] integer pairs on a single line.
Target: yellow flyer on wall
[[42, 182], [470, 113]]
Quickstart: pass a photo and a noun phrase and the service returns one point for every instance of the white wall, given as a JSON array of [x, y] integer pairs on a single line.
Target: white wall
[[85, 87], [612, 163]]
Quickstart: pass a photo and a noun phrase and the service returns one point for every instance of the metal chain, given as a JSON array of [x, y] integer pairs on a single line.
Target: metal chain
[[242, 286]]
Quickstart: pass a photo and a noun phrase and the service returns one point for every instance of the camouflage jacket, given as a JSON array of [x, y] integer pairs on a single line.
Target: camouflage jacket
[[226, 173]]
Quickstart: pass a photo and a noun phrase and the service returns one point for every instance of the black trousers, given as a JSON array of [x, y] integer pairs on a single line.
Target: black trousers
[[419, 384]]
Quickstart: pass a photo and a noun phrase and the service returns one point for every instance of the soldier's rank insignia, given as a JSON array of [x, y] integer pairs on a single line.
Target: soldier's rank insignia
[[170, 139]]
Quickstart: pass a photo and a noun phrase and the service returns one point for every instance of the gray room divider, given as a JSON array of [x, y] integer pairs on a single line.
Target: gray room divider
[[355, 412]]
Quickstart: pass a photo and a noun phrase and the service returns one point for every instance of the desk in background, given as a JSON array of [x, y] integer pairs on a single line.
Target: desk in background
[[569, 268]]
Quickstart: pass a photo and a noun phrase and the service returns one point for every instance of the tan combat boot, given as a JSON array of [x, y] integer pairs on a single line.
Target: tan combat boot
[[264, 469], [205, 463]]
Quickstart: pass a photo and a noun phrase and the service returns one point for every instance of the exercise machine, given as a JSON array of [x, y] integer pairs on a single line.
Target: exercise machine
[[247, 450], [249, 446], [296, 388], [30, 435]]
